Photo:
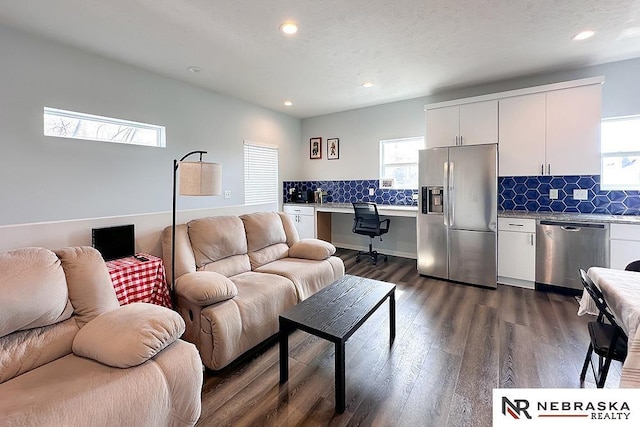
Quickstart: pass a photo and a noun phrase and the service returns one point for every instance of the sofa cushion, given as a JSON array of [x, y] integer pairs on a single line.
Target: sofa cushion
[[23, 351], [33, 288], [312, 249], [128, 336], [90, 288], [75, 391], [266, 238], [229, 266], [205, 287], [216, 238], [308, 276]]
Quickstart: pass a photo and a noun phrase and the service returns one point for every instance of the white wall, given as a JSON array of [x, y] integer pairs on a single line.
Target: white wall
[[49, 179], [44, 179], [58, 181], [148, 228], [361, 130]]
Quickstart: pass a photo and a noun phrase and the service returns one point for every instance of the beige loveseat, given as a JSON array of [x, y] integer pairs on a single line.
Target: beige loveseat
[[71, 356], [235, 275]]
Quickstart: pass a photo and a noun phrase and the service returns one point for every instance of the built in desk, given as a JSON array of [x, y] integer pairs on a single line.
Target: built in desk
[[323, 213]]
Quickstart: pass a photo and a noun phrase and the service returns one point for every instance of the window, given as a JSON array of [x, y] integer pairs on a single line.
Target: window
[[260, 173], [399, 161], [620, 146], [70, 124]]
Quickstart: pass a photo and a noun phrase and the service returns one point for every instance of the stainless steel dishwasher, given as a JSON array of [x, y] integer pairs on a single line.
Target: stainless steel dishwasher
[[562, 248]]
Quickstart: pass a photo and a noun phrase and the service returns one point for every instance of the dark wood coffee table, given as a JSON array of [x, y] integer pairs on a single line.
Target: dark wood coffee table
[[335, 313]]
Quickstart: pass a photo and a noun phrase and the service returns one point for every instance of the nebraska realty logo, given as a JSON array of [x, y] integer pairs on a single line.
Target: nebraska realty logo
[[571, 407]]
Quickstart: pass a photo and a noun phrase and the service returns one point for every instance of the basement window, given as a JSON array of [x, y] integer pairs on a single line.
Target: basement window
[[71, 124], [620, 148]]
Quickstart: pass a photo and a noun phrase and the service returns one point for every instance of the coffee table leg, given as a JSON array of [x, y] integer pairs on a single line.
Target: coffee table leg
[[340, 382], [284, 352], [392, 316]]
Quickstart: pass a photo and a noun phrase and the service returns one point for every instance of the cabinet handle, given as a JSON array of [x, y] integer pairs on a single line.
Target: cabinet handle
[[456, 140], [531, 239], [517, 225], [548, 168], [460, 139], [541, 168]]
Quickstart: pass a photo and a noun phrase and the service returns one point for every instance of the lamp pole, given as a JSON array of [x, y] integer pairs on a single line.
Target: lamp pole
[[176, 165]]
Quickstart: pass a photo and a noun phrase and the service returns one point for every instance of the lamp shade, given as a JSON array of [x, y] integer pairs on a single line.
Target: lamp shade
[[200, 179]]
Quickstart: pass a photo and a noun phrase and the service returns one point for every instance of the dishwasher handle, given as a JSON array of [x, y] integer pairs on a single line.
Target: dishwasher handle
[[572, 226]]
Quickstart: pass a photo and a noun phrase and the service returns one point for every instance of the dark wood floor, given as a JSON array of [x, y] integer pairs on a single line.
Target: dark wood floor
[[454, 344]]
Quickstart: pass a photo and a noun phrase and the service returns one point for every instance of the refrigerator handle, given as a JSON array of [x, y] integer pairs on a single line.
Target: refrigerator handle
[[445, 195], [451, 194]]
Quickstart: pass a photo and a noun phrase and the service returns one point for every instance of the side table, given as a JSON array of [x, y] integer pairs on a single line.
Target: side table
[[135, 280]]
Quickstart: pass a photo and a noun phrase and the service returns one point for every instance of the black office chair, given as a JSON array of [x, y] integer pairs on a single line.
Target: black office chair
[[367, 222], [608, 340]]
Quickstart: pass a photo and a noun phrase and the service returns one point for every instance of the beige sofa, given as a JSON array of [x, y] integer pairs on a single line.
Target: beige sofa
[[71, 356], [235, 275]]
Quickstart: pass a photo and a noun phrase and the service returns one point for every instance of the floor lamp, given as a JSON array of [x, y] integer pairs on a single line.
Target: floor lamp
[[196, 179]]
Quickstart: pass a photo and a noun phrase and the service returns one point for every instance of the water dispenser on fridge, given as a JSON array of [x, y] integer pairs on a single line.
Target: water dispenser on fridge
[[432, 200]]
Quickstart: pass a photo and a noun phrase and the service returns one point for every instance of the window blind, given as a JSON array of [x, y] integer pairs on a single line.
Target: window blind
[[260, 173]]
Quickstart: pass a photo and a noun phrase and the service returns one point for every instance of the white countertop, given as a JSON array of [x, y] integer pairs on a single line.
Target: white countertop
[[577, 217], [385, 210]]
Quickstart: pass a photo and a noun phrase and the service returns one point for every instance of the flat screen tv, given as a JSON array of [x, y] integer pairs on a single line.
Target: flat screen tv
[[114, 242]]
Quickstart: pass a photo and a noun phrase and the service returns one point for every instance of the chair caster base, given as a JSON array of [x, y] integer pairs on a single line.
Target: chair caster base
[[373, 255]]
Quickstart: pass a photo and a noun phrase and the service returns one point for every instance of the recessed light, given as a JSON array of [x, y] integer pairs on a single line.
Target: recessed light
[[583, 35], [288, 103], [289, 28], [194, 69], [367, 84]]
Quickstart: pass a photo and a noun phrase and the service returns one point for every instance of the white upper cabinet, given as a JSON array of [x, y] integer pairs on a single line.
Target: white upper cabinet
[[466, 124], [551, 133], [479, 123], [443, 127], [573, 131], [522, 135]]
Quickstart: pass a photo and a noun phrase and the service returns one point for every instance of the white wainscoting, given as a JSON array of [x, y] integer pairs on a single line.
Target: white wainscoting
[[148, 228]]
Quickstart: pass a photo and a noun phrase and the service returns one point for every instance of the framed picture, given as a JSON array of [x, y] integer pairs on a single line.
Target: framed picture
[[315, 148], [333, 148]]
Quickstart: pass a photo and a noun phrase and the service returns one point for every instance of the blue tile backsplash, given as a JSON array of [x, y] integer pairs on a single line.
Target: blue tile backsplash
[[353, 191], [531, 193], [521, 193]]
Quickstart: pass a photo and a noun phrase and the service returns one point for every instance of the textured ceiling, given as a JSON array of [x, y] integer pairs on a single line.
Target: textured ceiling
[[408, 48]]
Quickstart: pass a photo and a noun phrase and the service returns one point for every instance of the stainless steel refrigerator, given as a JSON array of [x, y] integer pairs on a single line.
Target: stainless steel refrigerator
[[457, 215]]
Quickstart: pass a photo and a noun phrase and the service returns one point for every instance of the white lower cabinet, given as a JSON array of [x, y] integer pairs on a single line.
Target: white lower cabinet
[[303, 218], [517, 252], [624, 245]]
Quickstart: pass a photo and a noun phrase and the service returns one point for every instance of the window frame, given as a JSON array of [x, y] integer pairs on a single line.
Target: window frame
[[160, 139], [612, 154], [382, 164]]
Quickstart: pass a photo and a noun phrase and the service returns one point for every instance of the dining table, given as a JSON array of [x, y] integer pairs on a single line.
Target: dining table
[[621, 291]]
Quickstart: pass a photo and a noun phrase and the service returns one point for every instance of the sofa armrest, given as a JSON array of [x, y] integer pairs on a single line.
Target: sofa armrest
[[129, 335], [205, 287], [314, 249]]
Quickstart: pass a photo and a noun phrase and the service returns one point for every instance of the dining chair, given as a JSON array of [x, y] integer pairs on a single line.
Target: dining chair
[[608, 340], [633, 266], [367, 222]]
